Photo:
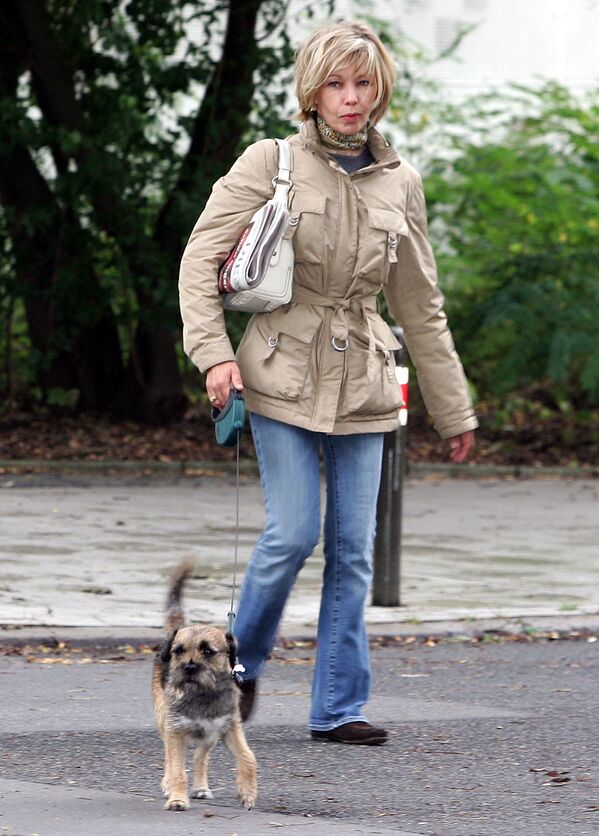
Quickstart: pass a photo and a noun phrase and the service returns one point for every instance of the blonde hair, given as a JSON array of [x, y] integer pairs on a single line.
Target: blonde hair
[[335, 47]]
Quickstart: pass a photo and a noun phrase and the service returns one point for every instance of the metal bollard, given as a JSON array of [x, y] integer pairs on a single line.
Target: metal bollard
[[387, 544]]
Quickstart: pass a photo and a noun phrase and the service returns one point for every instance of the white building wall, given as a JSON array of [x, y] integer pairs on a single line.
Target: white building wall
[[514, 40]]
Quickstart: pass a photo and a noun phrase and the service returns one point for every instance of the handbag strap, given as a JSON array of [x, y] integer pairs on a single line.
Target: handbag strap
[[282, 182]]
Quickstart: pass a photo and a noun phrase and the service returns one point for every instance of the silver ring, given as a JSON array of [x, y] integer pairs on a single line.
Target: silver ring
[[213, 399], [339, 347]]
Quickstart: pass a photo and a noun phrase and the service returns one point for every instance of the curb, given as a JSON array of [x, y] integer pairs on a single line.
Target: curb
[[249, 467], [113, 467], [106, 638]]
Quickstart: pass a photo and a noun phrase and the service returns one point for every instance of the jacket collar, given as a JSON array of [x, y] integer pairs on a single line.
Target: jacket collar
[[379, 147]]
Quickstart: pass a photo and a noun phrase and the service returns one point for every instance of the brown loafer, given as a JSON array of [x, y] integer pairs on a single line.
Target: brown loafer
[[247, 699], [358, 732]]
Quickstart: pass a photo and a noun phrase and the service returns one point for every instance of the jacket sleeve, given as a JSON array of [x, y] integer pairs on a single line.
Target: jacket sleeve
[[234, 199], [416, 304]]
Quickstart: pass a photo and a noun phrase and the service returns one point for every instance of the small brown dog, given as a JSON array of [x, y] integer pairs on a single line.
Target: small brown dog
[[196, 701]]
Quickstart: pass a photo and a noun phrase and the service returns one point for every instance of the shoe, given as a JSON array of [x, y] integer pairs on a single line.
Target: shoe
[[358, 732], [247, 700]]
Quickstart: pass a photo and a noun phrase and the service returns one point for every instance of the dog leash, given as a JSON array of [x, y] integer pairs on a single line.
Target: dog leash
[[231, 613], [228, 424], [237, 668]]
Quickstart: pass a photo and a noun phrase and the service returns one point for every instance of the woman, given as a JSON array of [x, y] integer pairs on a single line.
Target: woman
[[318, 374]]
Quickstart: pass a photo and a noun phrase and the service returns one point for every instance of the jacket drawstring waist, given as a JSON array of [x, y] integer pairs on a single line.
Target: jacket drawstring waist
[[364, 307]]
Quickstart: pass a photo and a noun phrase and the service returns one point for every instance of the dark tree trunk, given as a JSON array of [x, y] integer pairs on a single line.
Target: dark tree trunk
[[71, 356], [218, 130], [149, 392], [91, 362], [151, 388]]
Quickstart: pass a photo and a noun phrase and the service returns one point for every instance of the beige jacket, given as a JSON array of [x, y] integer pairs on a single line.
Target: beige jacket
[[353, 235]]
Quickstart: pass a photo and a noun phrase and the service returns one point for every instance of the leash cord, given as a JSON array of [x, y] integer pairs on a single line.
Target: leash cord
[[231, 615]]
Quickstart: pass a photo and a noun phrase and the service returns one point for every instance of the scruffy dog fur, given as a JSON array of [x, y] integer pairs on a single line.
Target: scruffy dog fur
[[196, 702]]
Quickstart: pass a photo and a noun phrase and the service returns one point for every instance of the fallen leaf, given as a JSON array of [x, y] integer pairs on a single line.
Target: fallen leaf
[[45, 661], [97, 590]]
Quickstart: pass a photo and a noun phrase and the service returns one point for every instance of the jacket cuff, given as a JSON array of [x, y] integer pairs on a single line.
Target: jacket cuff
[[206, 357], [449, 430]]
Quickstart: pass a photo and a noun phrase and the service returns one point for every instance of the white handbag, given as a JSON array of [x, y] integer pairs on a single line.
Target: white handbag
[[258, 274]]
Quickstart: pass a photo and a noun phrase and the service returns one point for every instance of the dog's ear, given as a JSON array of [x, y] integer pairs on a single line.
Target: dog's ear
[[166, 648], [164, 657], [232, 645]]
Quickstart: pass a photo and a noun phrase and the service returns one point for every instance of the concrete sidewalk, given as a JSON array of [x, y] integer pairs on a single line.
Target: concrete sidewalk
[[94, 552]]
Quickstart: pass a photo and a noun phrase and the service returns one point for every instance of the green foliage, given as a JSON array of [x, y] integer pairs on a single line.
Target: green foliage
[[516, 215], [110, 136], [112, 130]]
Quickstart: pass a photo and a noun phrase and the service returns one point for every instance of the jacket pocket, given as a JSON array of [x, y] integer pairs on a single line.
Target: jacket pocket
[[385, 230], [275, 353], [371, 387], [307, 226]]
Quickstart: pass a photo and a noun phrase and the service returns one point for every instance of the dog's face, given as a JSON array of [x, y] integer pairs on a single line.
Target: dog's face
[[197, 657]]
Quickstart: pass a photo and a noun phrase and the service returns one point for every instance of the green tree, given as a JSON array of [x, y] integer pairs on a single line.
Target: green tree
[[115, 120], [514, 204]]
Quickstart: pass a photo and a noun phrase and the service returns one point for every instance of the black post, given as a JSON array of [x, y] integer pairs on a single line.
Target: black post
[[387, 544]]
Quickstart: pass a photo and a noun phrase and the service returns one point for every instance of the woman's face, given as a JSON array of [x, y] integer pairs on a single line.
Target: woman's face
[[346, 99]]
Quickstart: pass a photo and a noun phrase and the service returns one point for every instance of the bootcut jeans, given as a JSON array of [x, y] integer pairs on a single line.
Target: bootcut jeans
[[288, 458]]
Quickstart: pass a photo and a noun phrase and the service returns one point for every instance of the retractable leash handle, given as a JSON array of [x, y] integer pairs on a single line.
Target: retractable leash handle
[[229, 421]]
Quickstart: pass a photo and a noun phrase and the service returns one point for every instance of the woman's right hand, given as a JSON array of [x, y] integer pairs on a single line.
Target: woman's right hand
[[220, 379]]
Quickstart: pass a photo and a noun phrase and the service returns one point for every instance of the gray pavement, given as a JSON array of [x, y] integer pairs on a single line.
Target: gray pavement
[[486, 739]]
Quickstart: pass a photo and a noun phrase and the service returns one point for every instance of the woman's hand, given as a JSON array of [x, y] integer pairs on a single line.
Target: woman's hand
[[460, 446], [220, 379]]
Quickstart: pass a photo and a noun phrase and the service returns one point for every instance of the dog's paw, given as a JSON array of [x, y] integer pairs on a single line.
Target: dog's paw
[[177, 804], [247, 796], [202, 792]]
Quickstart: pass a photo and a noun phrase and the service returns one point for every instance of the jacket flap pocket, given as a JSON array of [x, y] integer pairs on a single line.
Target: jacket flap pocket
[[388, 220], [383, 335], [299, 323], [307, 202]]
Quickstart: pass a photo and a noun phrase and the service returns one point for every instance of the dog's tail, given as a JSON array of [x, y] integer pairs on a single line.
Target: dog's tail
[[174, 613]]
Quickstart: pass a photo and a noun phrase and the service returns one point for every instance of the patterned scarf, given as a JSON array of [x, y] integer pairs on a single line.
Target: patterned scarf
[[333, 139]]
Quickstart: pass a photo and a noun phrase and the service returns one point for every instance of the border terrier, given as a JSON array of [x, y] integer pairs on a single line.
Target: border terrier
[[196, 702]]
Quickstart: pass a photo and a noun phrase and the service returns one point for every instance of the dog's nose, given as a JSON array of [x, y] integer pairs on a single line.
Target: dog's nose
[[190, 668]]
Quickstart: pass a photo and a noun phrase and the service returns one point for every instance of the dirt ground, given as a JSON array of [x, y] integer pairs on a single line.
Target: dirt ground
[[523, 440]]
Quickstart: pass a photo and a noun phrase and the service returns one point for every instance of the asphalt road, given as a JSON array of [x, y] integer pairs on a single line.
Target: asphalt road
[[487, 739]]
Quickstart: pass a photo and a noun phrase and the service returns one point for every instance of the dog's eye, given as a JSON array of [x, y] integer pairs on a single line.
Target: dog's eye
[[207, 651], [178, 649]]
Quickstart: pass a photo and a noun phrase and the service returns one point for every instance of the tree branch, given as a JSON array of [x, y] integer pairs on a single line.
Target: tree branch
[[218, 127]]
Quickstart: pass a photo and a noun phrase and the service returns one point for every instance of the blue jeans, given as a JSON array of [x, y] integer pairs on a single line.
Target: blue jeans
[[290, 471]]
